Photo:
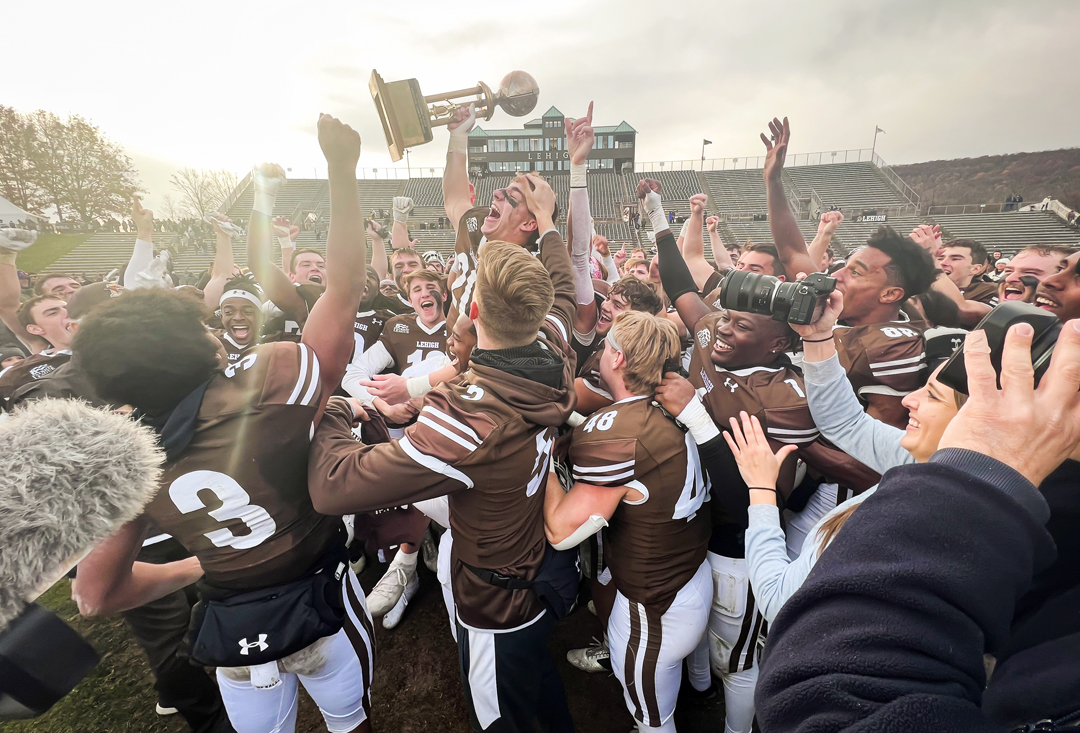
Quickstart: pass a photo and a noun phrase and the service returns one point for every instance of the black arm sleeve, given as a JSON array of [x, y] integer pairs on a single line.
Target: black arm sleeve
[[730, 495], [889, 630], [674, 274]]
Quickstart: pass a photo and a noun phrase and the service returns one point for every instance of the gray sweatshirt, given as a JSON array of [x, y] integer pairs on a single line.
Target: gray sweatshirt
[[840, 418]]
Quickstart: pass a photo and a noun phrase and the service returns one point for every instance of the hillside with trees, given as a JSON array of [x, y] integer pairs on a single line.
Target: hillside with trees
[[991, 178]]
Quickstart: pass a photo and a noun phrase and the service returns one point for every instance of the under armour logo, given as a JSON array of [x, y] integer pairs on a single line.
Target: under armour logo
[[730, 385], [261, 644]]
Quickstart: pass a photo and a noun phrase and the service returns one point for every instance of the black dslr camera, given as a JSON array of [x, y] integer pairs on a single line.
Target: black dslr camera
[[799, 302], [996, 324]]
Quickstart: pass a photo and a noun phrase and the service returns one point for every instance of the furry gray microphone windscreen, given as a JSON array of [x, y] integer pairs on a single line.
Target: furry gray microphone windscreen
[[70, 476]]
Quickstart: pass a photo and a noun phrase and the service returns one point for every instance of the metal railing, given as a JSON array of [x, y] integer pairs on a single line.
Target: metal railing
[[235, 193], [399, 174], [827, 157]]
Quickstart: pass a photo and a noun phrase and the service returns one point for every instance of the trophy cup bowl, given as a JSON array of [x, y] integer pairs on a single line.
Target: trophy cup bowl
[[407, 114]]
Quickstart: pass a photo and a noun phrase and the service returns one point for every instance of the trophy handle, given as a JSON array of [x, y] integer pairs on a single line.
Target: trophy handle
[[443, 114]]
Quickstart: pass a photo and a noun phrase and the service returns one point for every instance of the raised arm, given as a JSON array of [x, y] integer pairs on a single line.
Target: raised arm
[[721, 257], [378, 249], [971, 312], [329, 328], [10, 299], [693, 246], [143, 252], [675, 276], [456, 196], [579, 141], [827, 226], [399, 233], [269, 179], [221, 269], [789, 241], [286, 233]]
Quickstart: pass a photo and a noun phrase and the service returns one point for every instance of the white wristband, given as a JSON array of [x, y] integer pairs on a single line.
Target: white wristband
[[459, 142], [578, 175], [575, 419], [418, 386], [698, 422], [264, 202], [285, 242]]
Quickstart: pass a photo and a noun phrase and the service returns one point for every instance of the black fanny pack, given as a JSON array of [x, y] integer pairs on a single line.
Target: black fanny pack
[[231, 629], [556, 585]]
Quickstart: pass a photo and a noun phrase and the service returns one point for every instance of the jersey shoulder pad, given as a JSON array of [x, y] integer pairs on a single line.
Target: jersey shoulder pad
[[603, 449], [468, 232], [289, 373], [452, 423]]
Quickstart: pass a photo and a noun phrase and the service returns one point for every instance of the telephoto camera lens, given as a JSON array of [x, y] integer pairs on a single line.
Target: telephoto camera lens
[[798, 302]]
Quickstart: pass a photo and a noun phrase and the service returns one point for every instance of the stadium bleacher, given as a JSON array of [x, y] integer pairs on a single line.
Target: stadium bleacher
[[734, 195]]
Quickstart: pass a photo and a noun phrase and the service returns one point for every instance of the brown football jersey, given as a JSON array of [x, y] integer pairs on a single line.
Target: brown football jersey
[[368, 327], [776, 394], [414, 348], [883, 358], [462, 267], [712, 283], [982, 292], [485, 438], [237, 496], [589, 373], [232, 349], [280, 328], [31, 369], [657, 543]]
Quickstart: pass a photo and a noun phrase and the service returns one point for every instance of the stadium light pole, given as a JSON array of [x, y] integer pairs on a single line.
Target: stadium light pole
[[703, 144]]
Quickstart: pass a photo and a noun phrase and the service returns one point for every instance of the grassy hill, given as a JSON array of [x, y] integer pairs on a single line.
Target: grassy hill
[[990, 178], [48, 249]]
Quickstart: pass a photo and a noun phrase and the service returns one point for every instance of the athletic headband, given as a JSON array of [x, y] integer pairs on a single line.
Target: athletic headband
[[610, 338], [246, 295]]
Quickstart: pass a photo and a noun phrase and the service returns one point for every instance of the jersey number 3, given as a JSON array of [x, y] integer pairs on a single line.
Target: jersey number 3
[[235, 504]]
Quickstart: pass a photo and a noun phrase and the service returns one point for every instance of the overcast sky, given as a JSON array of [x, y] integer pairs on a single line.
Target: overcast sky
[[229, 84]]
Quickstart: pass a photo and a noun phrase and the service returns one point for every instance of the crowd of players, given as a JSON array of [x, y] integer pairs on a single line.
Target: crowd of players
[[539, 412]]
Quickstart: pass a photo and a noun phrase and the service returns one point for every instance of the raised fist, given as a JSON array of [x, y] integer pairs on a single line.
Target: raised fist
[[339, 142], [697, 203], [646, 186], [222, 225], [829, 221], [143, 218], [269, 178], [712, 222], [464, 120], [403, 206], [600, 244]]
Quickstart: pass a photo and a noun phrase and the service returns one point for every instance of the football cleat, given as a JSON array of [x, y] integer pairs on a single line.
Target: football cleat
[[593, 658], [430, 549], [393, 618], [388, 591]]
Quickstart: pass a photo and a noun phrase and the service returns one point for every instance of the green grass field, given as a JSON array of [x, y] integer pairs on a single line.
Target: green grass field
[[48, 249]]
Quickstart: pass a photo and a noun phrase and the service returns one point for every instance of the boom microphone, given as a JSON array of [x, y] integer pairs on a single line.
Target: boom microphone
[[70, 476]]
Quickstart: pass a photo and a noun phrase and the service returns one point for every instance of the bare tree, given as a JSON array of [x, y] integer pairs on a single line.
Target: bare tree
[[171, 209], [202, 191]]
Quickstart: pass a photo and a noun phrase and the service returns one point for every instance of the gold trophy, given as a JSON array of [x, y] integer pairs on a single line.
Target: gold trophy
[[408, 115]]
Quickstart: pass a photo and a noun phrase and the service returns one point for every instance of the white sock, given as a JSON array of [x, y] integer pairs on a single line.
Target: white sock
[[406, 561]]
